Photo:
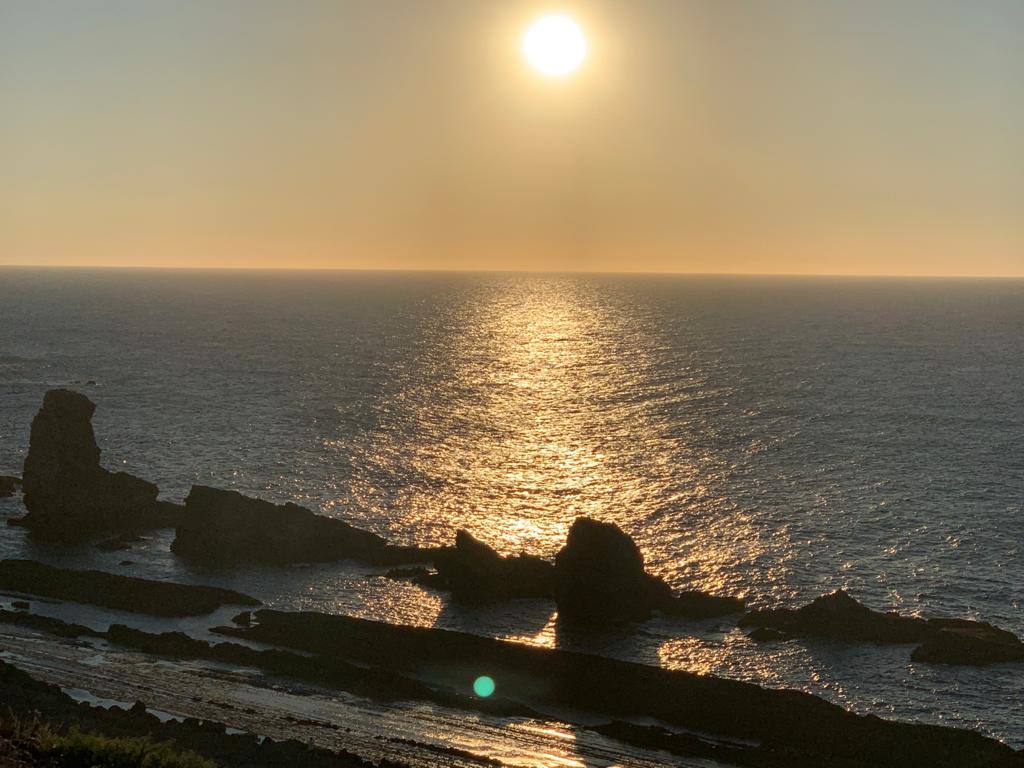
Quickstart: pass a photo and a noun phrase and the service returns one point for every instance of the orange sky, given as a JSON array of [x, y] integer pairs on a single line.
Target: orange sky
[[699, 136]]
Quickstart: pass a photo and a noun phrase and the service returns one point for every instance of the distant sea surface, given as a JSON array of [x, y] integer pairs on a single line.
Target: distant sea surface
[[776, 438]]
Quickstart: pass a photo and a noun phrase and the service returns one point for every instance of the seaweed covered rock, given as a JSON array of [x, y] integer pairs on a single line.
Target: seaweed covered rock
[[68, 494], [474, 571], [225, 526]]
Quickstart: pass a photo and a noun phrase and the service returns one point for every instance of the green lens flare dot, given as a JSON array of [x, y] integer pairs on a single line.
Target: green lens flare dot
[[483, 686]]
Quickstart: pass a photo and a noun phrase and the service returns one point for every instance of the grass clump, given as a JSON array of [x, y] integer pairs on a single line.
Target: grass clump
[[31, 743]]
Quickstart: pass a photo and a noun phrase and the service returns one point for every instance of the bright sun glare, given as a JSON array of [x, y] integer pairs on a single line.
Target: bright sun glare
[[554, 45]]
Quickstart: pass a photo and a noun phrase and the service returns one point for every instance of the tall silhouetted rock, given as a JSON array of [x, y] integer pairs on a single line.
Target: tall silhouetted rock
[[227, 526], [67, 493], [600, 579]]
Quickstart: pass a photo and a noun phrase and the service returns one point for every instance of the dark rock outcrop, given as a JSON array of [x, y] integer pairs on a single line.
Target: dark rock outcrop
[[474, 571], [600, 578], [839, 616], [67, 493], [973, 643], [109, 590], [8, 485], [225, 526]]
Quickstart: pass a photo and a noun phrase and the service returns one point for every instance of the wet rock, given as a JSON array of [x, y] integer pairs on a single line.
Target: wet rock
[[474, 571], [243, 619], [968, 642], [225, 526], [600, 578], [67, 493], [127, 593], [21, 605], [8, 485]]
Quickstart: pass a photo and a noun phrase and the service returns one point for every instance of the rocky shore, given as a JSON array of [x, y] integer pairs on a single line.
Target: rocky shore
[[24, 696], [597, 579], [740, 722]]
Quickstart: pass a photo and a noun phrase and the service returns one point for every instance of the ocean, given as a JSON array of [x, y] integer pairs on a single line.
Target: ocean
[[770, 437]]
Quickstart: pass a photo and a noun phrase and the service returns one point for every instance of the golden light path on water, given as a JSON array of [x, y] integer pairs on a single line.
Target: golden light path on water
[[539, 401], [534, 403]]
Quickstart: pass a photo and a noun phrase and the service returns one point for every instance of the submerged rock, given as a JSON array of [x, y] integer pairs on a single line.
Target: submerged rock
[[225, 526], [474, 571], [839, 616], [67, 493], [600, 578]]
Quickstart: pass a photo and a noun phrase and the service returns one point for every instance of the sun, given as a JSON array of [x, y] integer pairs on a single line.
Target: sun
[[554, 45]]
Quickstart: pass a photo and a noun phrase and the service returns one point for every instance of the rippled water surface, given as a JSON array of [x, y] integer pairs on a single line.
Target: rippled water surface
[[769, 437]]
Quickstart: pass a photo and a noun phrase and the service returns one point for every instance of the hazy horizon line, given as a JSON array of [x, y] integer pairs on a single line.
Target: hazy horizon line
[[484, 270]]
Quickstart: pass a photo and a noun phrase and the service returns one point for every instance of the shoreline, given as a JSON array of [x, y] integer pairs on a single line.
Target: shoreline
[[394, 663]]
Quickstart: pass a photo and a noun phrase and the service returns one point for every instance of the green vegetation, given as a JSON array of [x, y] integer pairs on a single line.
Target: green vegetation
[[32, 743]]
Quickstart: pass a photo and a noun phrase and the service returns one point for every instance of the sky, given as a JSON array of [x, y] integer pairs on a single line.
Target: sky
[[749, 136]]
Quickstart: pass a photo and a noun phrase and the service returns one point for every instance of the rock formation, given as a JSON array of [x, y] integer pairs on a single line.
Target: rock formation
[[839, 616], [225, 526], [600, 578], [67, 493], [474, 571]]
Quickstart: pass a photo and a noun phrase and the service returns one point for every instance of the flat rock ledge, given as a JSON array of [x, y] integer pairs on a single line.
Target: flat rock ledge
[[109, 590], [220, 526]]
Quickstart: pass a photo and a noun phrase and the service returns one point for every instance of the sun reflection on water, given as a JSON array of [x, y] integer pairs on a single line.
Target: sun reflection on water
[[542, 399]]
